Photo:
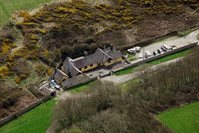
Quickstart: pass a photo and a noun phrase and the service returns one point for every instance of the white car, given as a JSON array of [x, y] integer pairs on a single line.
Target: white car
[[134, 50], [140, 55], [137, 49], [131, 50], [54, 84]]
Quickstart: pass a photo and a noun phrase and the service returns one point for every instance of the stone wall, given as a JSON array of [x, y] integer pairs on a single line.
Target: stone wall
[[24, 110], [139, 62], [76, 81]]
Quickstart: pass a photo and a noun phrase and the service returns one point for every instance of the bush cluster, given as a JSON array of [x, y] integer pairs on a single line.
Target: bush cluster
[[108, 109]]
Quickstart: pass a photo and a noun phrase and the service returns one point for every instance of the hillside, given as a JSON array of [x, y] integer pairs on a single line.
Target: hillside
[[33, 43], [8, 7]]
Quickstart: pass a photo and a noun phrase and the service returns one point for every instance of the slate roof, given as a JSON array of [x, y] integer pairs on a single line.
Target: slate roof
[[59, 75], [71, 67]]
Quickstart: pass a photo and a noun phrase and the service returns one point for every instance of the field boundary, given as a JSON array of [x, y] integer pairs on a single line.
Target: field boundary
[[24, 110], [157, 57], [154, 39]]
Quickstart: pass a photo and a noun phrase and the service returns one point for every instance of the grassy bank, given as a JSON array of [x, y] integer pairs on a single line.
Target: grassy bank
[[7, 7], [186, 32], [35, 121], [170, 57], [182, 120], [38, 119], [82, 88], [155, 62]]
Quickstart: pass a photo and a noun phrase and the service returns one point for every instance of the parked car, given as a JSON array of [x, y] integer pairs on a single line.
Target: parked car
[[137, 49], [131, 50], [173, 46], [53, 84], [167, 47], [140, 55], [159, 51], [134, 50], [147, 54], [163, 49]]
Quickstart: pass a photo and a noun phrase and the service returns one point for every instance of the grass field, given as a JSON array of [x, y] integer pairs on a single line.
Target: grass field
[[7, 7], [155, 62], [35, 121], [82, 88], [38, 119], [170, 57], [182, 120]]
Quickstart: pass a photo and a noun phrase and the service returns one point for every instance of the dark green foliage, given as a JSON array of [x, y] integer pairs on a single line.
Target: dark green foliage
[[108, 109], [79, 22]]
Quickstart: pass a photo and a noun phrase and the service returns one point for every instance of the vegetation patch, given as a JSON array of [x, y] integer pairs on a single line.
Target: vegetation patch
[[82, 88], [186, 32], [35, 121], [9, 7], [108, 109], [182, 120], [155, 62], [170, 57]]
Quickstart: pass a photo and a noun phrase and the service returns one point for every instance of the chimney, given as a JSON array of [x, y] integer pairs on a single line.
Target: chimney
[[85, 53], [112, 47]]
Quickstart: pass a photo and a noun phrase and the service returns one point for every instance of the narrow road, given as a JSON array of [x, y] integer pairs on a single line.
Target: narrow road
[[125, 78]]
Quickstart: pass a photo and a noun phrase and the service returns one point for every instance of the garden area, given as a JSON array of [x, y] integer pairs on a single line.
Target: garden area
[[183, 119], [34, 121]]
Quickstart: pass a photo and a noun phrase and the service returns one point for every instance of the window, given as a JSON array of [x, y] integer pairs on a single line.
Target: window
[[86, 67], [91, 65]]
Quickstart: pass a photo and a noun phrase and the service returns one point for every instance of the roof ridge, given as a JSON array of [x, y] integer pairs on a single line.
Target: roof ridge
[[105, 53]]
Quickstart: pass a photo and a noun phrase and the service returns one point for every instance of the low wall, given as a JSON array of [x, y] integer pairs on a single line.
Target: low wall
[[28, 108], [139, 62], [24, 110], [7, 119], [153, 39], [75, 82]]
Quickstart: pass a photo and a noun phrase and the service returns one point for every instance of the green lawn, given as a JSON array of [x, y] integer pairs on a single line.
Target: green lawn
[[7, 7], [82, 88], [155, 62], [39, 119], [182, 120], [35, 121], [131, 57], [170, 57]]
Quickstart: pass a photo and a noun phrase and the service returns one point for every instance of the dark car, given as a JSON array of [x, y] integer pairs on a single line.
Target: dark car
[[164, 49], [159, 51]]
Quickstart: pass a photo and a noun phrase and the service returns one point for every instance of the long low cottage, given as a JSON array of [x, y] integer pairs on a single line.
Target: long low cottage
[[74, 67]]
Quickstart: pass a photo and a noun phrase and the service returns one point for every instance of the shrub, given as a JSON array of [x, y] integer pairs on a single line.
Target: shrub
[[41, 69], [108, 109], [50, 71], [20, 78], [4, 71]]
